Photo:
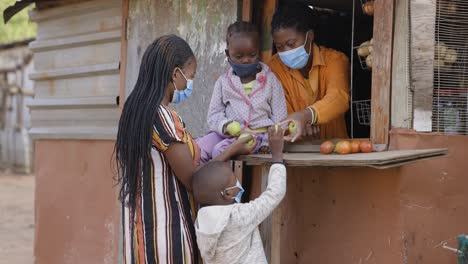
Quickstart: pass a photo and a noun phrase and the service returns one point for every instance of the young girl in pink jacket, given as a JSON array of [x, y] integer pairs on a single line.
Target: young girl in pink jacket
[[247, 99]]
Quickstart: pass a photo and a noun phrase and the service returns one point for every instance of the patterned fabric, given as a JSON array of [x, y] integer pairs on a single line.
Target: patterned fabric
[[163, 230], [326, 89], [263, 107]]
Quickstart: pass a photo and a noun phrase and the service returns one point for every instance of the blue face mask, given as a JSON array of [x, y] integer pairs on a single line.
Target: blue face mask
[[244, 70], [296, 58], [182, 95], [238, 197]]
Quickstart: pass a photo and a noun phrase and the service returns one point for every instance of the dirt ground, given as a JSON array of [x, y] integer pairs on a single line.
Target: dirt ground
[[16, 218]]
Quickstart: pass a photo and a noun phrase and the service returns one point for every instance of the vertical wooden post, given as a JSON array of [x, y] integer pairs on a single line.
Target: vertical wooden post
[[238, 169], [402, 113], [423, 27], [269, 8], [382, 71], [276, 223], [123, 52], [270, 229], [247, 10]]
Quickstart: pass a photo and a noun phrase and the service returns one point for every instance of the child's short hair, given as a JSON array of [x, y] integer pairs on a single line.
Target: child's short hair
[[209, 180], [240, 27]]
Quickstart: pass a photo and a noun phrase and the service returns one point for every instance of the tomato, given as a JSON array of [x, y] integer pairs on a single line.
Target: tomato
[[343, 147], [355, 146], [366, 146], [327, 147]]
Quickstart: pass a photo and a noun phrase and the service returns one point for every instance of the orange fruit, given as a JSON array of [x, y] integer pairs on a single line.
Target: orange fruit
[[366, 146], [327, 147], [355, 146]]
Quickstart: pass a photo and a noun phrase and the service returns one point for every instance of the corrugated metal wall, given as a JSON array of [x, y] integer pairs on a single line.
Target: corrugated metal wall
[[15, 88], [77, 54]]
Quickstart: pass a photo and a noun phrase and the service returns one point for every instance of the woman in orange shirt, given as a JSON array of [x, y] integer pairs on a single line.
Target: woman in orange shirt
[[315, 79]]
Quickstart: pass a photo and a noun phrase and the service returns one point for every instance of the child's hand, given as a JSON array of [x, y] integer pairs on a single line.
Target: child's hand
[[242, 146], [275, 137]]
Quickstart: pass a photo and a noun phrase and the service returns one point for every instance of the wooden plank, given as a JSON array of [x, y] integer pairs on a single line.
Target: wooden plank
[[402, 163], [373, 160], [83, 71], [423, 16], [276, 224], [75, 41], [402, 110], [238, 170], [106, 19], [74, 114], [266, 226], [247, 10], [74, 9], [92, 54], [270, 229], [382, 71], [255, 182], [269, 8], [72, 102], [91, 133], [76, 123], [90, 86], [44, 5]]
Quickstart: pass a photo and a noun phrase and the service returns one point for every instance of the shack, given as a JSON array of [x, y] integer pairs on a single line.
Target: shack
[[15, 89], [391, 206], [344, 210]]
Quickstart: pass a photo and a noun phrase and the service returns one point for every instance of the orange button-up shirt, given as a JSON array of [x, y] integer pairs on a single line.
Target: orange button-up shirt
[[326, 90]]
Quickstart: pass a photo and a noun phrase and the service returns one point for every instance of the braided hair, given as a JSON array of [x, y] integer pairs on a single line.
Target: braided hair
[[134, 137], [240, 27], [294, 15]]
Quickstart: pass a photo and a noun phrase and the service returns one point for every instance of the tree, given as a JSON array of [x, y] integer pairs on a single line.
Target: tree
[[19, 27]]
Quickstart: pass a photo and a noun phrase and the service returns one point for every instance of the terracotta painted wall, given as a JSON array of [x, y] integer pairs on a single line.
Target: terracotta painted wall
[[400, 215], [77, 211], [343, 215], [433, 197]]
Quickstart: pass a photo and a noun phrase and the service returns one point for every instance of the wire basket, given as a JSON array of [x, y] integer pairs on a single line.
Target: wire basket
[[365, 65], [363, 111], [367, 7]]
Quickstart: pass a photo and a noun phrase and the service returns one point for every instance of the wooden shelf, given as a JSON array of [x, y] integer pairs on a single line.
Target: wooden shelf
[[378, 160]]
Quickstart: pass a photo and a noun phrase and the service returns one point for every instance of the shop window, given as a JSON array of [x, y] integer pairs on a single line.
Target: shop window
[[347, 26], [450, 95], [342, 27]]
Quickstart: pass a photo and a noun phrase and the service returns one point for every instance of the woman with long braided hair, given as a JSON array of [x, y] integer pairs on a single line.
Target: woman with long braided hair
[[157, 157]]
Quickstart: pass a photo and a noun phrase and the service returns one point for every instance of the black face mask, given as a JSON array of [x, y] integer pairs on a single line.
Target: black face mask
[[244, 70]]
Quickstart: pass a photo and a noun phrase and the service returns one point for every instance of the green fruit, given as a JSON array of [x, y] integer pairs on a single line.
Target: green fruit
[[234, 128], [250, 142], [292, 127]]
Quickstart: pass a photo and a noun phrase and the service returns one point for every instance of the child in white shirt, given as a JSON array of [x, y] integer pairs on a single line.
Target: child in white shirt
[[227, 230]]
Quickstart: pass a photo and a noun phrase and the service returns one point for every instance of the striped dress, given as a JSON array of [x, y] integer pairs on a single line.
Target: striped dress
[[163, 230]]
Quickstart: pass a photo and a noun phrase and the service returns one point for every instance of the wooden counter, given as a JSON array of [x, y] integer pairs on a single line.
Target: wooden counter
[[254, 169]]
